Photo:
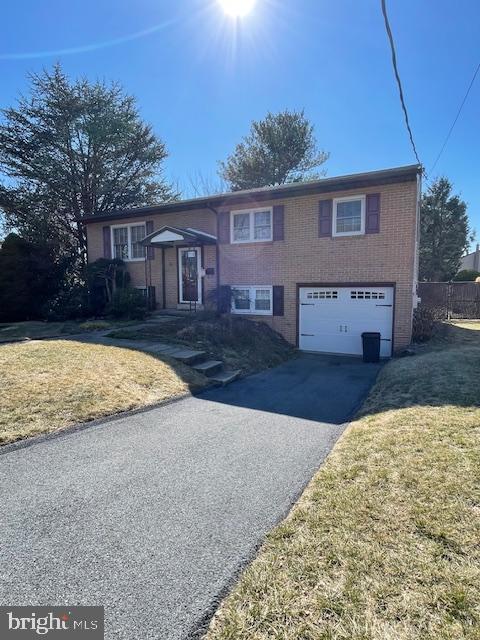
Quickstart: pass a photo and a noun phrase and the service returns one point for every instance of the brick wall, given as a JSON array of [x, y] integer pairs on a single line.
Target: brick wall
[[302, 257], [203, 220]]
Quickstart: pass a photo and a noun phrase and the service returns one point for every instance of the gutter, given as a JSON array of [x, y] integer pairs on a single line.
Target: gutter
[[265, 194]]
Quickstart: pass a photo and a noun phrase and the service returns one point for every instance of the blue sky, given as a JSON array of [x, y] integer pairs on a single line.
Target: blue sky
[[200, 78]]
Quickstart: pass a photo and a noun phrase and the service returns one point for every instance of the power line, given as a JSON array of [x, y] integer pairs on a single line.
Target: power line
[[456, 118], [397, 76]]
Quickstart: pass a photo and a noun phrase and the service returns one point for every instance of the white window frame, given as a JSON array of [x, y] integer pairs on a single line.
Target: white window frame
[[129, 239], [336, 233], [251, 219], [251, 289]]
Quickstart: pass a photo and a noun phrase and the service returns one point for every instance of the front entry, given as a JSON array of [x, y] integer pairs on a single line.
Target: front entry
[[189, 277]]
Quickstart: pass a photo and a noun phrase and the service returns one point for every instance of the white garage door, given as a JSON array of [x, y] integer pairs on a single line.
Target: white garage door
[[332, 319]]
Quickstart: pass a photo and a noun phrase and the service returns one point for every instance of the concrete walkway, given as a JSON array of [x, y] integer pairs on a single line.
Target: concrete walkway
[[153, 515]]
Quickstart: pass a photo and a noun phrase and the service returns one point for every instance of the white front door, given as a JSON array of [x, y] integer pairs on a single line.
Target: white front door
[[189, 275], [332, 319]]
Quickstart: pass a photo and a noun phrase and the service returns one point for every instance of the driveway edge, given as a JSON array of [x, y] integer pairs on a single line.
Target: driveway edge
[[200, 627], [81, 426]]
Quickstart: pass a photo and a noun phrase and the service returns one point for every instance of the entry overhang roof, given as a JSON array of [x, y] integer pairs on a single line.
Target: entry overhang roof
[[172, 236]]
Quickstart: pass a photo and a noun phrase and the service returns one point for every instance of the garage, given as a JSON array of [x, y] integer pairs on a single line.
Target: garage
[[332, 319]]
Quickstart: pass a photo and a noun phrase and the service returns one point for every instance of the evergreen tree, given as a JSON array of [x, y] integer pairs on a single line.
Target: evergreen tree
[[73, 149], [281, 148], [444, 232]]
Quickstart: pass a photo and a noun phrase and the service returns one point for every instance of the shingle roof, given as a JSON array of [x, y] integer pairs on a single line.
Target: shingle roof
[[290, 190]]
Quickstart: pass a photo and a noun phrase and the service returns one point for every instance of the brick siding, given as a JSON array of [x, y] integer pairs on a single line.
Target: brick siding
[[302, 257]]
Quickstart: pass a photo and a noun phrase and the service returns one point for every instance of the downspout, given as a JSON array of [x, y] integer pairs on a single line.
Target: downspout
[[146, 276], [416, 299]]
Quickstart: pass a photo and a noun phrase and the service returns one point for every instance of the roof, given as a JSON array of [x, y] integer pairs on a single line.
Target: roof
[[168, 235], [325, 185]]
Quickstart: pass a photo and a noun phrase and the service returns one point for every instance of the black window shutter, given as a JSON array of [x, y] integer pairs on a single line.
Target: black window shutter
[[149, 230], [325, 209], [278, 222], [372, 214], [278, 305], [224, 227], [107, 243]]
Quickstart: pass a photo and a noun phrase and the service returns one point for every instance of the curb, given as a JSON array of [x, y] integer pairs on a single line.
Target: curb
[[81, 426]]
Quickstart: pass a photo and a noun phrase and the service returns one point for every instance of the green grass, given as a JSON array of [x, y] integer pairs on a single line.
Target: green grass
[[49, 385], [385, 542]]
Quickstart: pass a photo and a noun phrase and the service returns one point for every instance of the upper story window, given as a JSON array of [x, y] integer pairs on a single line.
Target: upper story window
[[349, 216], [126, 241], [252, 226]]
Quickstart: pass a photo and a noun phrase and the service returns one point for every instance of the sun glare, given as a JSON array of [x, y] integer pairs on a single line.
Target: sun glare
[[237, 8]]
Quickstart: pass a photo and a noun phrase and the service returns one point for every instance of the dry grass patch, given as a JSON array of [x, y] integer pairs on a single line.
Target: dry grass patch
[[385, 542], [50, 385]]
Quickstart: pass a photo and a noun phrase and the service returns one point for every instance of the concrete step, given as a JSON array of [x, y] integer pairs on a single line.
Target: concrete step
[[225, 377], [209, 367], [160, 347], [188, 356]]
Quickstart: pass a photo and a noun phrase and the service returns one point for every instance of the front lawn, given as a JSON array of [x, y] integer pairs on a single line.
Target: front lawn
[[51, 384], [385, 542]]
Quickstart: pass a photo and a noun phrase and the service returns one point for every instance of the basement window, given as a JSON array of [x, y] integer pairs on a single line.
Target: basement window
[[255, 300]]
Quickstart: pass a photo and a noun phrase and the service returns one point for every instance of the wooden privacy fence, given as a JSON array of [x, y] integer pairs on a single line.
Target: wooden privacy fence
[[451, 299]]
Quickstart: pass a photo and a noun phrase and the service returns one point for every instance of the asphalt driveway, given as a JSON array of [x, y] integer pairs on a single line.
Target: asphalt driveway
[[154, 514]]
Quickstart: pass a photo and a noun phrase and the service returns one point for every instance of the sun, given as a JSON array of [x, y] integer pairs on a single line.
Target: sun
[[237, 8]]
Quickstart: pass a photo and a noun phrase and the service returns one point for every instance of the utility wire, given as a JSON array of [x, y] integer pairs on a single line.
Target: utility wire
[[456, 118], [399, 82]]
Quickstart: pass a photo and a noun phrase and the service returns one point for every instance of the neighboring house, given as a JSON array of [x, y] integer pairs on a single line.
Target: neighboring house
[[320, 262], [471, 261]]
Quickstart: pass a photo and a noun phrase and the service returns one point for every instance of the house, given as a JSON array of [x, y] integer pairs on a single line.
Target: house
[[320, 262], [471, 261]]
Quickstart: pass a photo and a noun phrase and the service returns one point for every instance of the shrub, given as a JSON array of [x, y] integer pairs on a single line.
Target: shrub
[[30, 274], [128, 303], [67, 304], [467, 275], [220, 299], [104, 276], [425, 320]]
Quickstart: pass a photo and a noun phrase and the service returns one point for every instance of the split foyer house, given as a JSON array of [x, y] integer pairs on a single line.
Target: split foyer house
[[320, 262]]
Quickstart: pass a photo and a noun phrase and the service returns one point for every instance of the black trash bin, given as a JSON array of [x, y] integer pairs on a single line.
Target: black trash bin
[[371, 346]]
